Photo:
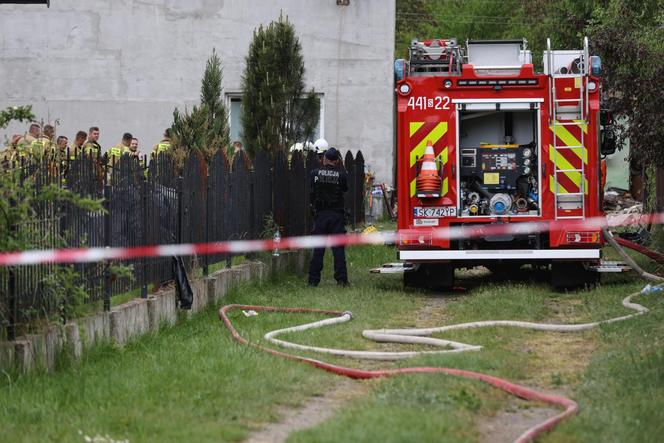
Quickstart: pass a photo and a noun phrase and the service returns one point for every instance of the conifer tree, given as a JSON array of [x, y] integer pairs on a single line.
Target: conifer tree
[[213, 105], [206, 127], [274, 113]]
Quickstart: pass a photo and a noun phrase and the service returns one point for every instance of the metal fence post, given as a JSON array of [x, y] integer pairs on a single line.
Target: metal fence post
[[11, 287], [179, 226], [13, 305], [206, 257], [349, 200], [107, 243], [144, 237], [228, 203], [252, 212]]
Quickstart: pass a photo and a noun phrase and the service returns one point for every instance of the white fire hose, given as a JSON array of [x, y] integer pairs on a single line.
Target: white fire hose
[[421, 335]]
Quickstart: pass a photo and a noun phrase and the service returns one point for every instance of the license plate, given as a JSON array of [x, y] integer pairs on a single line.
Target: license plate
[[435, 211]]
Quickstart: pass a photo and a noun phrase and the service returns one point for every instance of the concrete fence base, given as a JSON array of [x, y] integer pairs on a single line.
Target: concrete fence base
[[137, 317]]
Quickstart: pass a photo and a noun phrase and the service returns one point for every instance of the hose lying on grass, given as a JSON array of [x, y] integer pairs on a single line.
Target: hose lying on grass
[[417, 336], [658, 257], [608, 236]]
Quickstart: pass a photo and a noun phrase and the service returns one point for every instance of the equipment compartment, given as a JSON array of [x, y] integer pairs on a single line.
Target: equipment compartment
[[499, 158]]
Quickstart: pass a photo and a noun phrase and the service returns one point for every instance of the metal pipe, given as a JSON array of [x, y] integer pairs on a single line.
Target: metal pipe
[[27, 2]]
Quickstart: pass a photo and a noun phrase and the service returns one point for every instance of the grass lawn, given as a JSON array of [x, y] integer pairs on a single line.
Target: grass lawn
[[615, 373], [191, 382]]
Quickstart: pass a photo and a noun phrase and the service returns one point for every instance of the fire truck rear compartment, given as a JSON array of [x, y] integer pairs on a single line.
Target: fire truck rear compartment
[[498, 158]]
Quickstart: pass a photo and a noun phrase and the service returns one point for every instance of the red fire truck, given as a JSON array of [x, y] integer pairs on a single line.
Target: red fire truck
[[482, 138]]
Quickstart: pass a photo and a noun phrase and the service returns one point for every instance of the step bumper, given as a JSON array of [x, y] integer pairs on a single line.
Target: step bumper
[[502, 254]]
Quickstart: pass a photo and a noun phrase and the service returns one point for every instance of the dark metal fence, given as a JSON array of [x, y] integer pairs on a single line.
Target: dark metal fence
[[224, 200]]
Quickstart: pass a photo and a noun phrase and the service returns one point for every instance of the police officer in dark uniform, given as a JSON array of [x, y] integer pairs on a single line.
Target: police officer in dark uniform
[[328, 185]]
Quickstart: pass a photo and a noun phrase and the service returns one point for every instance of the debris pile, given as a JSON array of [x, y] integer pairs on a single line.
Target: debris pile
[[616, 199]]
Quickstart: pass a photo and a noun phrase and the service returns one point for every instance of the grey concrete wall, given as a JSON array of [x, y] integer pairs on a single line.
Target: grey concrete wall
[[133, 319], [162, 309], [124, 65]]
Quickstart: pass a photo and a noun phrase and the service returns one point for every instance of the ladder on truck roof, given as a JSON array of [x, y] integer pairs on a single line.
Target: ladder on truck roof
[[568, 112]]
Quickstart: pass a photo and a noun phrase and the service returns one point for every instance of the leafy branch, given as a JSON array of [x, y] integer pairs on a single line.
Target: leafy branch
[[20, 113]]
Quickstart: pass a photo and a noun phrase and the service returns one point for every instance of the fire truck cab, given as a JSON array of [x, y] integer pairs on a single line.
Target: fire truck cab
[[484, 140]]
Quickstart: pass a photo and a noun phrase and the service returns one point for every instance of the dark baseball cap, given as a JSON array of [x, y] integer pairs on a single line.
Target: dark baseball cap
[[332, 154]]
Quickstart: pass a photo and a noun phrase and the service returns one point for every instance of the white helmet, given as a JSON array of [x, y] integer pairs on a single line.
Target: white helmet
[[320, 146]]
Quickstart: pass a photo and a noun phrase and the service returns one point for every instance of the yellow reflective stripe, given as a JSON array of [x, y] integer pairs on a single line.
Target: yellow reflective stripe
[[565, 191], [582, 125], [445, 188], [566, 136], [580, 152], [443, 156], [435, 135], [413, 188], [562, 163], [552, 186], [414, 126], [563, 134]]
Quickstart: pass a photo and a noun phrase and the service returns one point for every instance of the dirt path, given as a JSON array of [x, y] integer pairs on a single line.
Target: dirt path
[[557, 360], [315, 411], [319, 409], [517, 416], [555, 364]]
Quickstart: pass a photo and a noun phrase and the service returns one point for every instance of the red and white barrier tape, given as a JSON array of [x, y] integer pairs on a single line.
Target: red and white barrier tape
[[97, 254]]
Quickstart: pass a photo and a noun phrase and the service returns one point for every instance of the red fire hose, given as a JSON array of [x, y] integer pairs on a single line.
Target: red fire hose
[[659, 258], [517, 390], [511, 388]]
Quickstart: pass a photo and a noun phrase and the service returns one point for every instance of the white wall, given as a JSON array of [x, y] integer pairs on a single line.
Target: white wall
[[124, 65]]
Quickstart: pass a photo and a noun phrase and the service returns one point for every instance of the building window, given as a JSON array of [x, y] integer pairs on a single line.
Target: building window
[[234, 105], [234, 102]]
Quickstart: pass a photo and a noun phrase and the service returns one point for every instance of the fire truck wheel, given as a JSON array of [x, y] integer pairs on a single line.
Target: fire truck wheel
[[413, 279], [572, 275], [436, 276], [503, 271]]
